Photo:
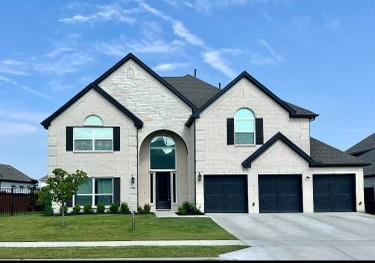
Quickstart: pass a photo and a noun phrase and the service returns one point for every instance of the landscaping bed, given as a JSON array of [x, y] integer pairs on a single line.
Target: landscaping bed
[[108, 227]]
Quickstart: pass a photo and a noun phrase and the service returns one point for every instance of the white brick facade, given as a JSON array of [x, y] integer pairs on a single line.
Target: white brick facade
[[163, 112]]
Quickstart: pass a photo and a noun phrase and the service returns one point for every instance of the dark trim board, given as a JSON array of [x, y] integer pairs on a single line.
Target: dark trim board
[[137, 122]]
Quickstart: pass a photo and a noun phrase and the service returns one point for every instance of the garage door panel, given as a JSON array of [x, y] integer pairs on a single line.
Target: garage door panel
[[334, 193], [225, 193], [280, 193]]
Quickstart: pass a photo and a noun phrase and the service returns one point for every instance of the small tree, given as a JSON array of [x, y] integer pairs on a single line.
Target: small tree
[[63, 185]]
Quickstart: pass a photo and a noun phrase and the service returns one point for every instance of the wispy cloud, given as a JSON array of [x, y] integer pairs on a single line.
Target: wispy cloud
[[16, 129], [170, 66], [180, 30], [26, 116], [13, 67], [105, 13], [277, 57], [206, 6], [16, 84], [215, 59]]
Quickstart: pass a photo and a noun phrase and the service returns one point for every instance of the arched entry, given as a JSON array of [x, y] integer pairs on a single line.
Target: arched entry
[[163, 171]]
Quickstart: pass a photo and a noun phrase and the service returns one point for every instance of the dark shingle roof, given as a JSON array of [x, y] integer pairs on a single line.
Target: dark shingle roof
[[363, 146], [199, 92], [9, 173], [330, 156], [370, 158], [195, 90]]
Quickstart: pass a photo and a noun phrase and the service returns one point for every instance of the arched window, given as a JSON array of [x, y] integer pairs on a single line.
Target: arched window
[[244, 127], [93, 120], [162, 153]]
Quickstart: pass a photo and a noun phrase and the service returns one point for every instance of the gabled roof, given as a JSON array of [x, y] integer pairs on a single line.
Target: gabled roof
[[294, 111], [137, 122], [366, 150], [197, 91], [10, 174], [148, 70], [321, 154], [278, 136], [366, 144]]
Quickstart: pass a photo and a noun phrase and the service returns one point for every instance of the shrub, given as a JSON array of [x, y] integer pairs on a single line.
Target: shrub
[[188, 209], [48, 210], [65, 210], [145, 210], [124, 208], [44, 201], [87, 209], [113, 209], [100, 209], [76, 209]]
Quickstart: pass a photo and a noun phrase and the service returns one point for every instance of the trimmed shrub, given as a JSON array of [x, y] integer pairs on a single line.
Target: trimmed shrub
[[188, 209], [124, 208], [87, 209], [113, 209], [100, 209], [48, 210], [76, 209], [145, 210], [44, 201]]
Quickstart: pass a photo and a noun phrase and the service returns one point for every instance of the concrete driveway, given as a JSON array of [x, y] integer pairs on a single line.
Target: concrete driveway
[[330, 236]]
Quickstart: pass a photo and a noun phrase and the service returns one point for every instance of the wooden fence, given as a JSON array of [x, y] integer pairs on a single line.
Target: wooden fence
[[18, 201]]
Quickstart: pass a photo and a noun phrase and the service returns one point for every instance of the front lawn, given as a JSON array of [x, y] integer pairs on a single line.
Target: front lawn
[[108, 227], [118, 252]]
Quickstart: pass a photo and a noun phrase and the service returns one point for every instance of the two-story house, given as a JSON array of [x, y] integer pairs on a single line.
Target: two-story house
[[143, 139]]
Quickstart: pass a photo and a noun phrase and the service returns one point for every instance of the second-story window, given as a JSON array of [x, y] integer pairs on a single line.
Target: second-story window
[[93, 137], [244, 127]]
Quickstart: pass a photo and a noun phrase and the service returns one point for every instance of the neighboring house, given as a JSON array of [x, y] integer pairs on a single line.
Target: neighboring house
[[144, 139], [42, 181], [365, 149], [11, 178]]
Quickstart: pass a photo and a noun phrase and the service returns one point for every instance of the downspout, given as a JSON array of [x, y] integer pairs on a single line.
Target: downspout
[[195, 167], [137, 171]]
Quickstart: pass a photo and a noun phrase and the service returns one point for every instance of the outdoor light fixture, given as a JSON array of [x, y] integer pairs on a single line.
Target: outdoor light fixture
[[199, 177], [308, 177], [132, 179]]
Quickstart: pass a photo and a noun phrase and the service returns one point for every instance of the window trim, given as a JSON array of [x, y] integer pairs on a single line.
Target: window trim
[[93, 140], [93, 115], [254, 132], [93, 194], [175, 155]]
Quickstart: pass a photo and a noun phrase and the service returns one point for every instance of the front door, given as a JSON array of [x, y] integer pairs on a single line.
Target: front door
[[163, 190]]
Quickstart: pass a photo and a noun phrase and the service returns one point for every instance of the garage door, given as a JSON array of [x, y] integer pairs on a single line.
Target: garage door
[[334, 193], [280, 193], [225, 193]]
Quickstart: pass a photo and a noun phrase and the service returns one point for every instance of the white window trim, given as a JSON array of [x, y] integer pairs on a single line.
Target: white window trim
[[234, 129], [92, 140], [93, 194]]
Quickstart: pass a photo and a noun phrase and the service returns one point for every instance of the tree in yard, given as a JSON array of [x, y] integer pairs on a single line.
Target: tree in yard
[[63, 185]]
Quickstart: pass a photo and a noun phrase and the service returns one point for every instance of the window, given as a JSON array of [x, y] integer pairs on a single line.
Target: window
[[93, 120], [244, 127], [93, 139], [162, 153], [95, 191]]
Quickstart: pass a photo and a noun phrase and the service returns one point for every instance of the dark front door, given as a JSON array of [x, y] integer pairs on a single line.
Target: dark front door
[[280, 193], [163, 190], [225, 193], [334, 193]]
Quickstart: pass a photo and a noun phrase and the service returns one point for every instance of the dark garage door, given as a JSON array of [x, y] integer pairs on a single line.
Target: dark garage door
[[225, 193], [280, 193], [334, 193]]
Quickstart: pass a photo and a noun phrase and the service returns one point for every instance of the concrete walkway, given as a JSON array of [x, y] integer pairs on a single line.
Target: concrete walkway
[[151, 243]]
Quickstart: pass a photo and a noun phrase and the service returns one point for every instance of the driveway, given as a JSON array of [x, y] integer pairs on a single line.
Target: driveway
[[331, 236]]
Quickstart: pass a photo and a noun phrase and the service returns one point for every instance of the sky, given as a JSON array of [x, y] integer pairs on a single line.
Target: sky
[[317, 54]]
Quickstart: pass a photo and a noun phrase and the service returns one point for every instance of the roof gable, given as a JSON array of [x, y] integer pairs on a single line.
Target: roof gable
[[10, 174], [294, 111], [137, 122], [363, 146], [148, 70]]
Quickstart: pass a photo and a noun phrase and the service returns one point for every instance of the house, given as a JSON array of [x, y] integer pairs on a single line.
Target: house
[[43, 182], [11, 178], [145, 139], [365, 149]]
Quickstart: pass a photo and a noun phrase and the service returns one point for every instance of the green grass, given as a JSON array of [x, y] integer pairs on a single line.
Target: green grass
[[108, 227], [118, 252]]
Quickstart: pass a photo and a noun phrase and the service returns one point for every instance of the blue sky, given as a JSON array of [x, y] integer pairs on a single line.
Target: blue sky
[[316, 54]]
